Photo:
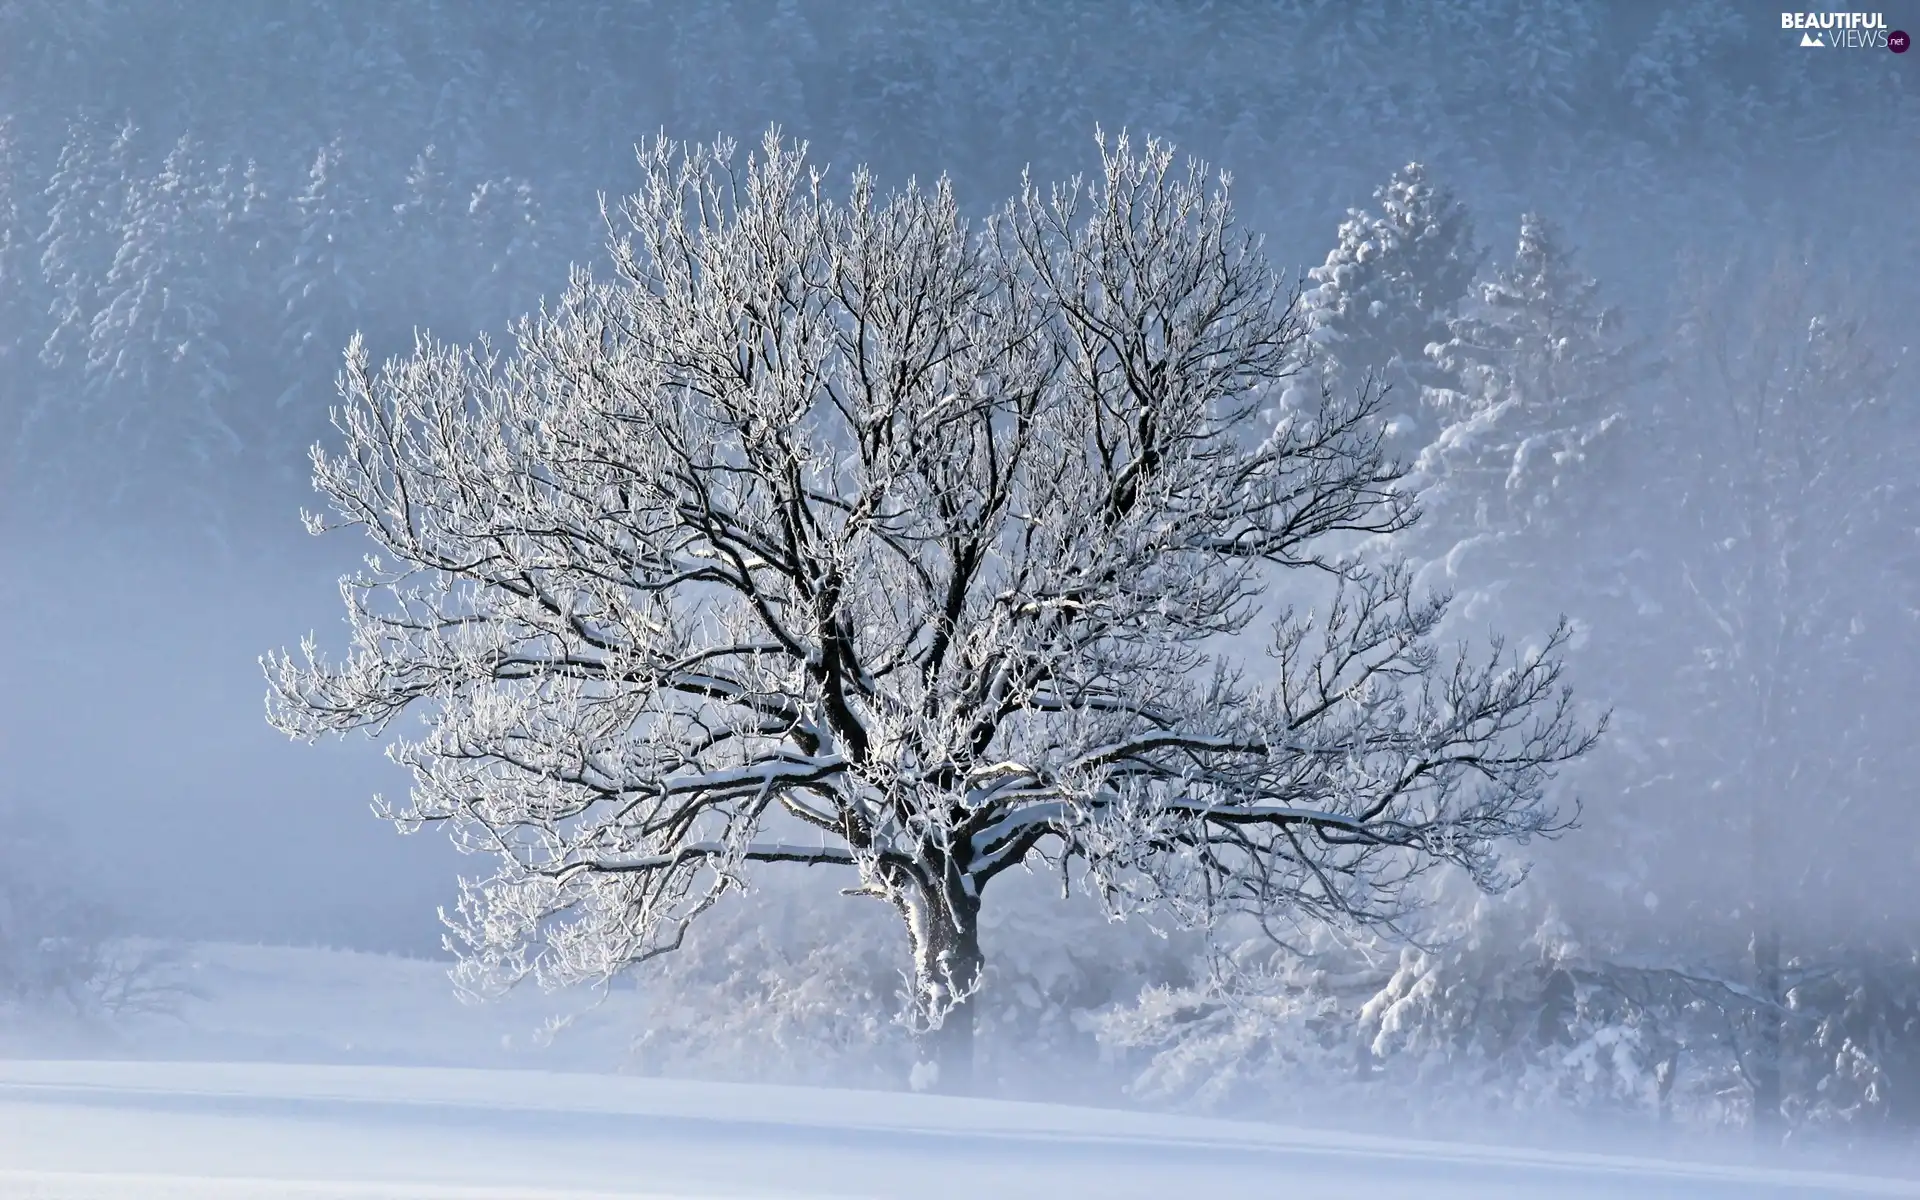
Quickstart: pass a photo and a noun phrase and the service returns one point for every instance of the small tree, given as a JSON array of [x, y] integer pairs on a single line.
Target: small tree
[[850, 534]]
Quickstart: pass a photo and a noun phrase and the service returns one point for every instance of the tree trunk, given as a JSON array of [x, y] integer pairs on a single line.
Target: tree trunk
[[1664, 1076], [1765, 948], [947, 968], [950, 1049], [1767, 1116]]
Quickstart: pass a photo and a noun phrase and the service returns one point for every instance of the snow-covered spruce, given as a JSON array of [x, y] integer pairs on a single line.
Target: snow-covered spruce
[[846, 533], [1388, 291]]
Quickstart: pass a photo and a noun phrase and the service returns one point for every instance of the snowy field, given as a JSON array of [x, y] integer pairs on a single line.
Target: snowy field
[[79, 1130], [178, 1125]]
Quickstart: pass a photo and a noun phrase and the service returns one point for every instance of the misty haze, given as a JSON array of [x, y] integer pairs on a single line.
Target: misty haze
[[958, 599]]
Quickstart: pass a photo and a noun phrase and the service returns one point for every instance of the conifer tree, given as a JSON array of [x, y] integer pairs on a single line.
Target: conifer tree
[[86, 198], [19, 291], [321, 286], [1387, 291], [1538, 368], [155, 357]]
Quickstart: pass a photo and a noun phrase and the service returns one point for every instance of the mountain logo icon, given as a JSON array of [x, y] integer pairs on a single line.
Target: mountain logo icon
[[1812, 39]]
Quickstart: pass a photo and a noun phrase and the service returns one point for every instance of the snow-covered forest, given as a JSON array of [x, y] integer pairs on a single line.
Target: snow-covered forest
[[1619, 305]]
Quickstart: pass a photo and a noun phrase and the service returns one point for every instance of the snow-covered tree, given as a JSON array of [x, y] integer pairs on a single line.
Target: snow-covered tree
[[14, 236], [845, 533], [323, 287], [1539, 372], [255, 240], [1794, 456], [85, 212], [154, 348], [1537, 505], [20, 293], [1387, 291], [426, 224], [502, 239]]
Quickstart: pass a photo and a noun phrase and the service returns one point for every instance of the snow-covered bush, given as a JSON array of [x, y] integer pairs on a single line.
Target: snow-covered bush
[[1505, 1013], [1859, 1065], [51, 944], [774, 985], [60, 955], [1501, 1011], [772, 988]]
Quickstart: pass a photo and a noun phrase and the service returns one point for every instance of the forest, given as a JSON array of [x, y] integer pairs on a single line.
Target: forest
[[1625, 297]]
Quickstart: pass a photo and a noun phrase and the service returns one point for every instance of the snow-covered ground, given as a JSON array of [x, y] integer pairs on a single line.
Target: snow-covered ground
[[117, 1130], [175, 1127]]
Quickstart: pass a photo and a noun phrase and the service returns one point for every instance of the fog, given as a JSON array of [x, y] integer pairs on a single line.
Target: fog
[[142, 743], [201, 202]]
